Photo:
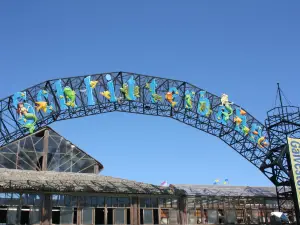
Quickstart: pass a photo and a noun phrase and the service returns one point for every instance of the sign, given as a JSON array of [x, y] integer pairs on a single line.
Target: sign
[[294, 149]]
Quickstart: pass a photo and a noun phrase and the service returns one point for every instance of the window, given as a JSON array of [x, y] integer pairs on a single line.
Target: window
[[240, 215], [124, 202], [272, 203], [170, 203], [117, 202], [198, 216], [255, 216], [114, 202], [174, 203], [148, 203], [164, 216], [212, 216], [148, 216], [231, 216], [94, 201], [11, 215], [68, 200], [191, 203], [58, 200], [221, 216], [66, 215], [34, 215], [101, 201], [192, 218], [197, 203], [119, 216], [87, 215]]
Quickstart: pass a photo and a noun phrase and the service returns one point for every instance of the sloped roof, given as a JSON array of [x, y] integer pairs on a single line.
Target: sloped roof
[[49, 181], [63, 156], [218, 190]]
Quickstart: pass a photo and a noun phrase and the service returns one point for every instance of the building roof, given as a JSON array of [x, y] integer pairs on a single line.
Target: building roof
[[49, 181], [224, 190], [63, 156]]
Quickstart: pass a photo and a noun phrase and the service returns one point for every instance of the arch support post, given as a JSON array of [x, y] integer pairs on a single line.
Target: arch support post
[[293, 188], [281, 123], [46, 218]]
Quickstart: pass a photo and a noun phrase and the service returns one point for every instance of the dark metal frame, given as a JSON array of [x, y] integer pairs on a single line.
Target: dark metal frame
[[271, 160]]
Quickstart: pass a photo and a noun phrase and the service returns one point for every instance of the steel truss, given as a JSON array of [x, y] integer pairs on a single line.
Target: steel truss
[[282, 122], [271, 160]]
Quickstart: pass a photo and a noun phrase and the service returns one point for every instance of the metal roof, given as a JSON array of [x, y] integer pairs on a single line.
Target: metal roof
[[50, 181], [63, 156], [224, 190]]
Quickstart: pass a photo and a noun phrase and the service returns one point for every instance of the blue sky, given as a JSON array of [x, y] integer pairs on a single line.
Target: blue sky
[[241, 48]]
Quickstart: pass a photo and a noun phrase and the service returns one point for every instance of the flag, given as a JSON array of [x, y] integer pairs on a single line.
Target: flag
[[164, 184], [216, 181]]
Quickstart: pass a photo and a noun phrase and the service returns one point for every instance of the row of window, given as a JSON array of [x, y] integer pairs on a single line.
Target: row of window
[[230, 216], [69, 215], [225, 202], [93, 201]]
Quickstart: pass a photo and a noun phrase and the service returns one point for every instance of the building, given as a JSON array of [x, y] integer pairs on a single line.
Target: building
[[45, 179]]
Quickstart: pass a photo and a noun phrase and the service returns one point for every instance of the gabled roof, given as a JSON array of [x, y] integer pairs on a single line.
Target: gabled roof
[[219, 190], [63, 156], [49, 181]]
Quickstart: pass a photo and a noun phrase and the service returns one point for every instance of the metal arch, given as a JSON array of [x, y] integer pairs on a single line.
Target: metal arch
[[10, 130]]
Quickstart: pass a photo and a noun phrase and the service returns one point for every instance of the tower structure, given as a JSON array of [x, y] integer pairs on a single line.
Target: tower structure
[[282, 121]]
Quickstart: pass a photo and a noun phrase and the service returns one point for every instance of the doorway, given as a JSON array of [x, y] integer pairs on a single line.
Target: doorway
[[55, 215], [24, 216], [99, 216], [3, 215], [110, 216]]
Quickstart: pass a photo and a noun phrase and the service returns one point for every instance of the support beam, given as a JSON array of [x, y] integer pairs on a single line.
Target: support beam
[[46, 209], [134, 212], [45, 150]]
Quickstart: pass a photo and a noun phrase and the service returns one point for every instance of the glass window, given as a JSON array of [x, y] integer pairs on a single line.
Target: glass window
[[197, 203], [174, 203], [94, 201], [148, 216], [68, 200], [192, 218], [212, 216], [255, 217], [147, 202], [66, 215], [169, 203], [154, 202], [87, 215], [11, 215], [162, 202], [101, 201], [173, 216], [114, 202], [143, 202], [191, 203], [108, 202], [124, 202], [231, 216], [88, 201], [119, 216], [34, 215], [271, 203]]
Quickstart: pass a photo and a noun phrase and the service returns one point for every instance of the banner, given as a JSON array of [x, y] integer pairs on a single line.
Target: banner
[[294, 149]]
